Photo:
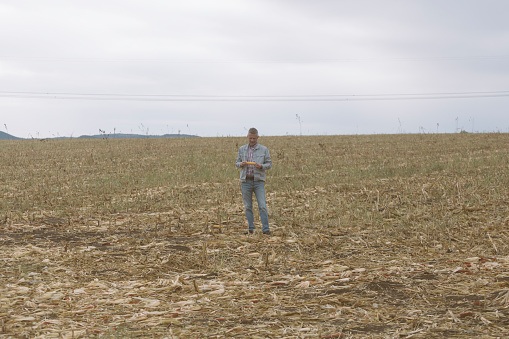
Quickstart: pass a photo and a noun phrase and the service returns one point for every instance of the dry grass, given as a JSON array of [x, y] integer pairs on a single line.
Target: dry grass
[[373, 236]]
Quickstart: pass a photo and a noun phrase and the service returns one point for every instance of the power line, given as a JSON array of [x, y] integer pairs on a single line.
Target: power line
[[253, 96], [250, 61], [266, 98]]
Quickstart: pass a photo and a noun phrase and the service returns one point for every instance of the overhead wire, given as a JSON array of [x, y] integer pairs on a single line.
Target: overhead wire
[[197, 98], [266, 98], [250, 61]]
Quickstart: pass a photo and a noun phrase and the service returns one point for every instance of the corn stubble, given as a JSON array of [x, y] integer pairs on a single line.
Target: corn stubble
[[373, 236]]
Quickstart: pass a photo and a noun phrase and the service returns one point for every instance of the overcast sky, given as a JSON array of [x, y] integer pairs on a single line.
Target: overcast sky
[[216, 68]]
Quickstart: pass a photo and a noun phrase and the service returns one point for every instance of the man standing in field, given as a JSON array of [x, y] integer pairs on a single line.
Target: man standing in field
[[254, 159]]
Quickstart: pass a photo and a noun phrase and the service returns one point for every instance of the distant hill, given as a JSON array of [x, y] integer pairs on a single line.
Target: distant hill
[[6, 136], [134, 136]]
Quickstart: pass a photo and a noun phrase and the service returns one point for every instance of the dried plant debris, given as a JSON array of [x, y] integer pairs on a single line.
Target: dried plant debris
[[415, 256], [94, 283]]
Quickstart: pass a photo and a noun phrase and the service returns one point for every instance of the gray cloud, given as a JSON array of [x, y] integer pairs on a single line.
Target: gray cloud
[[253, 48]]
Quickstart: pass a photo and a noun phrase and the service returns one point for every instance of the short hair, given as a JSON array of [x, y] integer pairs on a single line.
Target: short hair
[[252, 130]]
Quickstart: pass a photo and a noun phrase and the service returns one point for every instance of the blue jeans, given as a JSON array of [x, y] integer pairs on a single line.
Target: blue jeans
[[258, 188]]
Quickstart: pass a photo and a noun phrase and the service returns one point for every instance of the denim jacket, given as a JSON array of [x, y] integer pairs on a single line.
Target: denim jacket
[[261, 155]]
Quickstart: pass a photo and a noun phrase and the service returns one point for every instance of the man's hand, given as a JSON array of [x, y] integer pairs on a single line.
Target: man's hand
[[258, 165], [242, 164]]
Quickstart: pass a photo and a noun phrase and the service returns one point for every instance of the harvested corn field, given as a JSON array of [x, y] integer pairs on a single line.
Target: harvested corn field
[[396, 236]]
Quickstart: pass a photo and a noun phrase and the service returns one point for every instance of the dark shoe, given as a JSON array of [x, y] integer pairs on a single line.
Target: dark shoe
[[266, 232], [249, 232]]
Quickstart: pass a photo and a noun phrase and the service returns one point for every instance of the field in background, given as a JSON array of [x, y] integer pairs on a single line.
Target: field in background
[[384, 235]]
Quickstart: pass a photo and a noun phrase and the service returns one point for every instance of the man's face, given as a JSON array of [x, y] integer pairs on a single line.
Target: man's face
[[253, 139]]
